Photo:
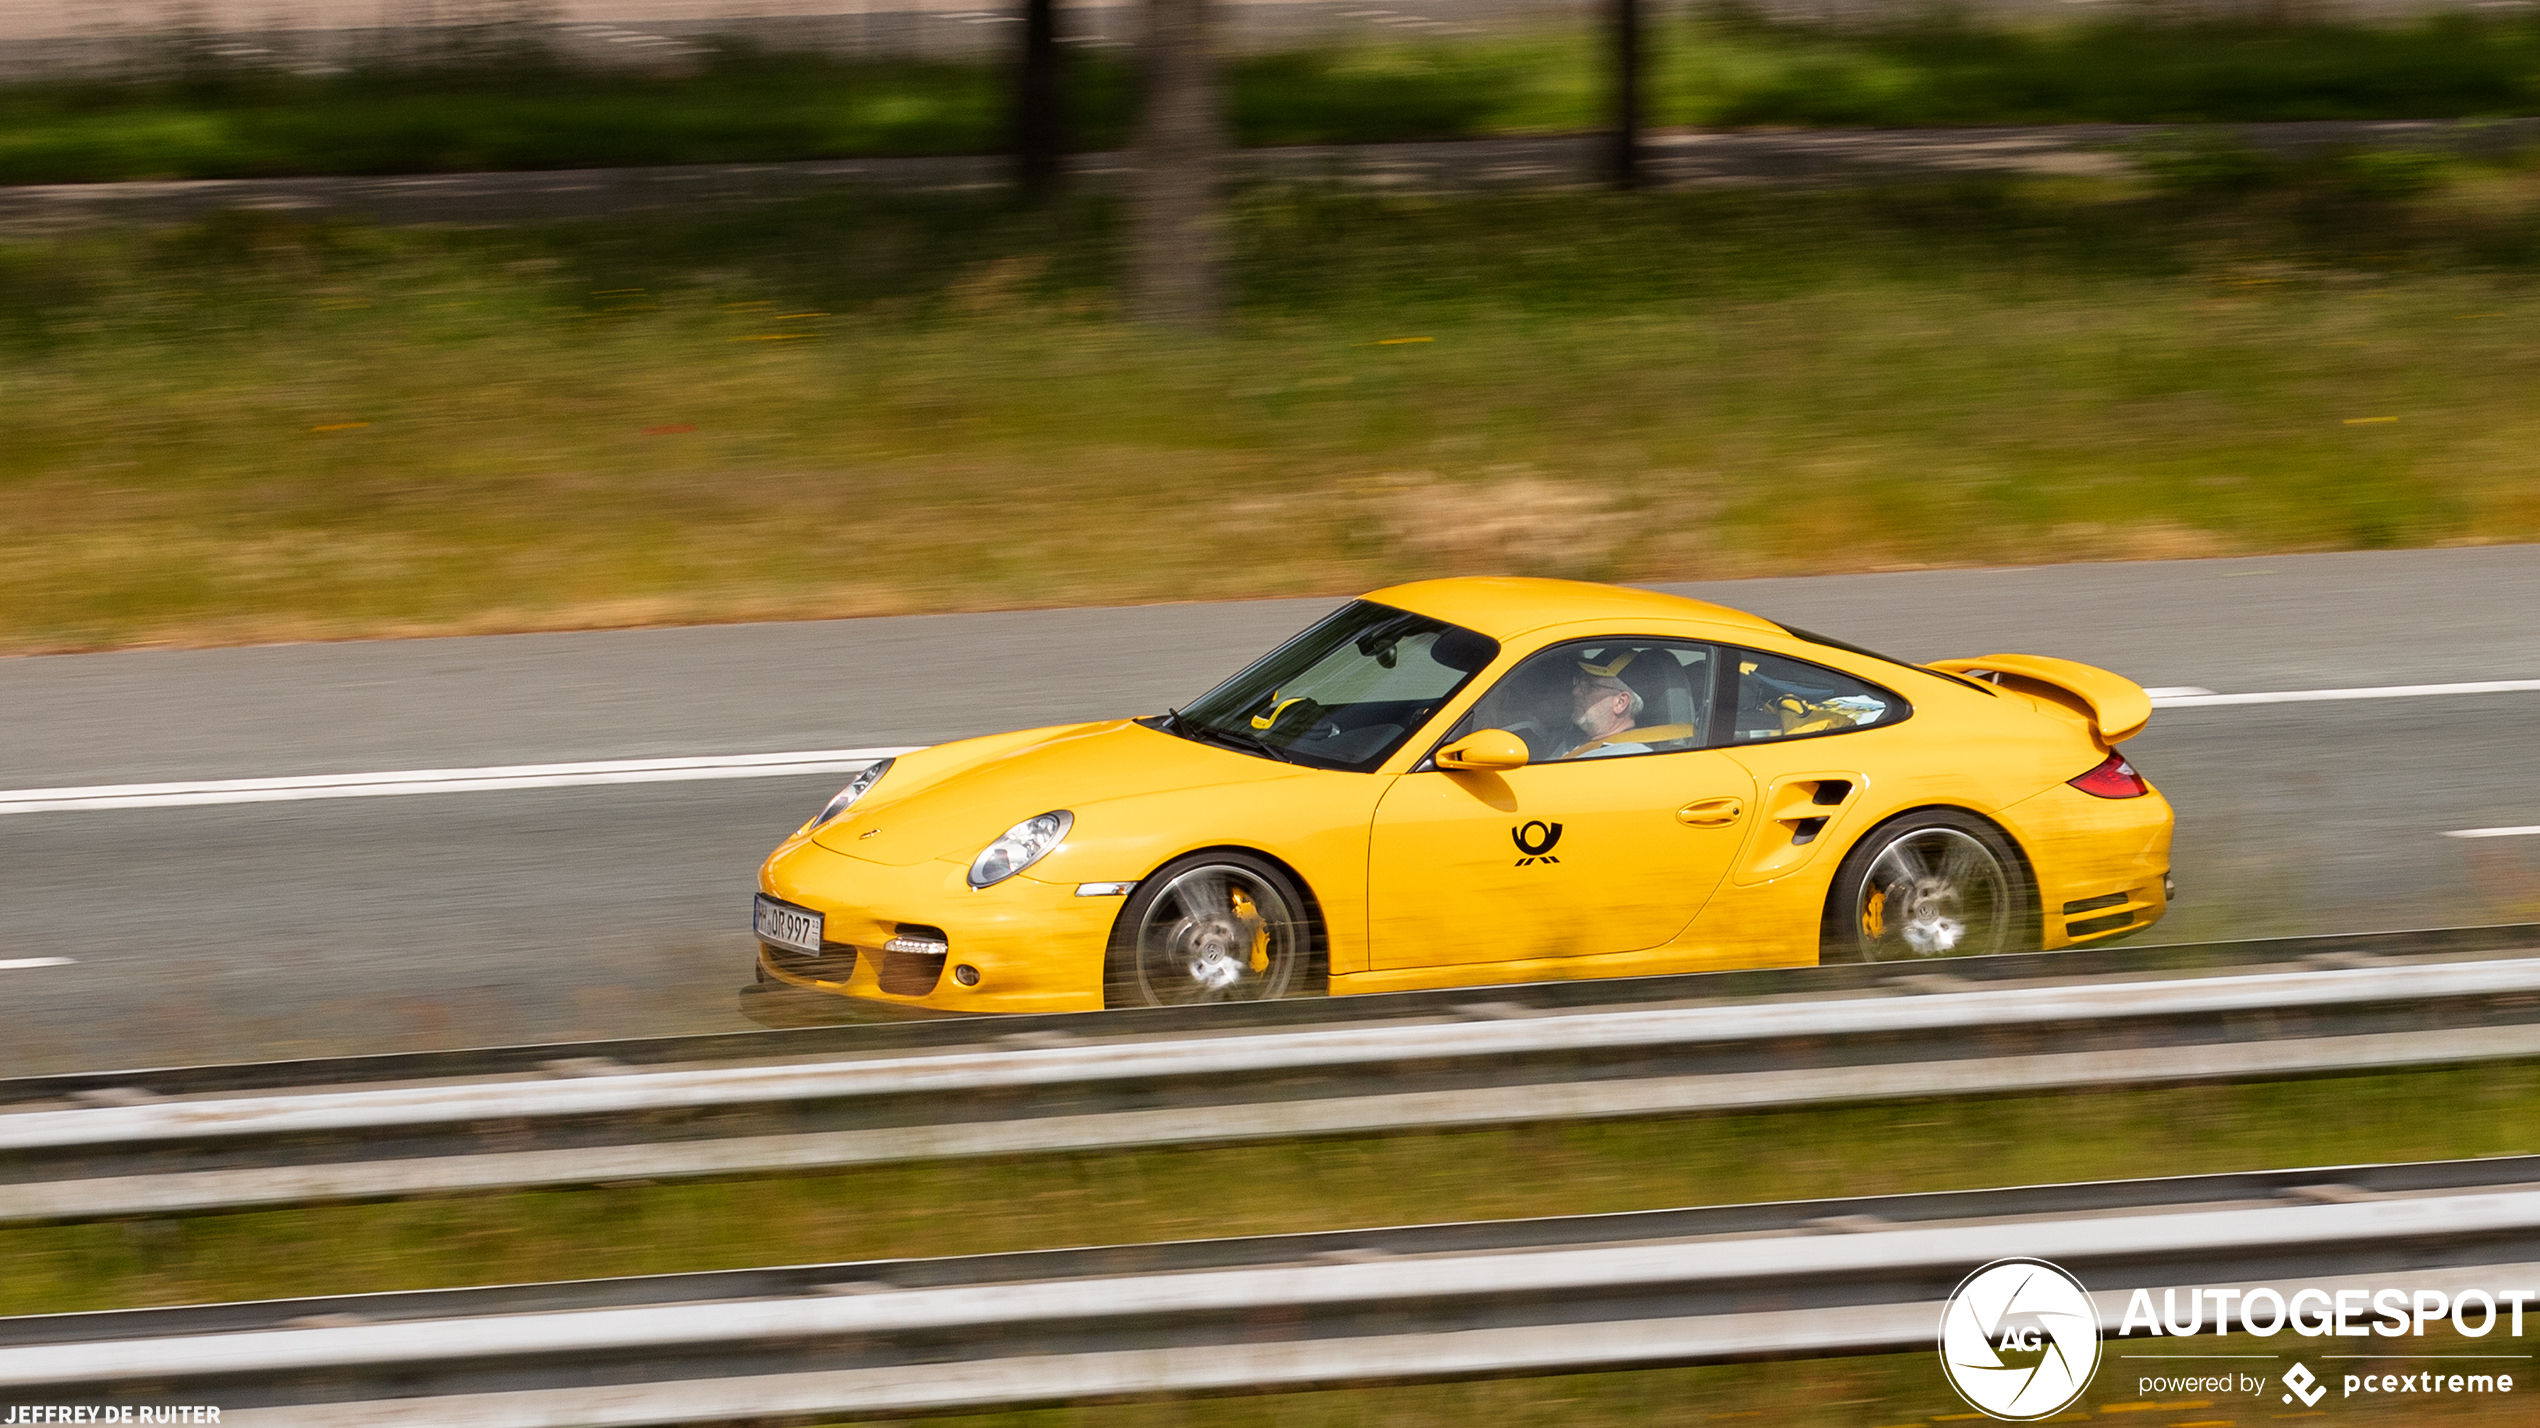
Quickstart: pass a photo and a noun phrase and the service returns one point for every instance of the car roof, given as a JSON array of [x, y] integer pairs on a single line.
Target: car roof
[[1504, 606]]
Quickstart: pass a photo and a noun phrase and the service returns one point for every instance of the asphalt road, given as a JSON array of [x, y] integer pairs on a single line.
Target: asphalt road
[[253, 931]]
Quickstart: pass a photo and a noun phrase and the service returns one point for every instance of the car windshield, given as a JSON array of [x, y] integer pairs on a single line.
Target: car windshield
[[1344, 694]]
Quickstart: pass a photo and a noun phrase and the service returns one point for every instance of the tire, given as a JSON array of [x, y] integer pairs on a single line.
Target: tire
[[1212, 927], [1933, 883]]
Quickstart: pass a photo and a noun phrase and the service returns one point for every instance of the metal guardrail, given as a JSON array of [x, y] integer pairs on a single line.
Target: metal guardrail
[[869, 1028], [1483, 1063], [890, 1338]]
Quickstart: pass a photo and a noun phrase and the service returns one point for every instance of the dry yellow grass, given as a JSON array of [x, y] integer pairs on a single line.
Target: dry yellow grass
[[313, 435]]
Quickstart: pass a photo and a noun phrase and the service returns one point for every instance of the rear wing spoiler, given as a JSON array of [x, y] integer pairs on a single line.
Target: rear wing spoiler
[[2115, 705]]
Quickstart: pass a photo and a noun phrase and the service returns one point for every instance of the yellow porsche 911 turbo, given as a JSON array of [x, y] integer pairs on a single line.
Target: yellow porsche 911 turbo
[[1467, 782]]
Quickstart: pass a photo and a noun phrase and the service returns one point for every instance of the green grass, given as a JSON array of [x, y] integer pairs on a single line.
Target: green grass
[[748, 106], [260, 429], [975, 1207], [379, 122], [2118, 72], [1884, 1391]]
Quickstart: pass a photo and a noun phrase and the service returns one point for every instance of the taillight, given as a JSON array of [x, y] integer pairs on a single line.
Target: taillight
[[2114, 778]]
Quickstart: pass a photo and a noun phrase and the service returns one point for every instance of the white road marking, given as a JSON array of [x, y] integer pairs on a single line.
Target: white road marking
[[15, 963], [2530, 832], [723, 766], [2179, 699], [484, 780]]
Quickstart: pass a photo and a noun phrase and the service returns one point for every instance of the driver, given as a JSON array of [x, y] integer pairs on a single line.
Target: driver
[[1604, 708]]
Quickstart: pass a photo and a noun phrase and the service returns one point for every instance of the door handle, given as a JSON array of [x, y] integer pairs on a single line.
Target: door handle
[[1711, 812]]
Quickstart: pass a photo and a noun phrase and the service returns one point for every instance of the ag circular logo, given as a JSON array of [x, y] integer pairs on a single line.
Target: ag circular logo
[[2019, 1339]]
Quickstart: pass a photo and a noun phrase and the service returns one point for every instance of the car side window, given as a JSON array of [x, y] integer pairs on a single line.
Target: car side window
[[1780, 698], [1602, 699]]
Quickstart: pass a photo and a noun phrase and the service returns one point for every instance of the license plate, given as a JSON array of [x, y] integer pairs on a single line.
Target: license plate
[[786, 925]]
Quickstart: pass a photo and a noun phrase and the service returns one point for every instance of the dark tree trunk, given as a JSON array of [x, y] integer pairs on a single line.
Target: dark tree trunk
[[1040, 107], [1623, 161], [1177, 225]]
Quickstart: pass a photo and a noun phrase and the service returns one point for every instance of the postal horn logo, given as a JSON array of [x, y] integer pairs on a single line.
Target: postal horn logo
[[1536, 840], [2019, 1339]]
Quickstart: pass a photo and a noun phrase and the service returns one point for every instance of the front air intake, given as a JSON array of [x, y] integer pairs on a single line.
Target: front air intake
[[913, 960]]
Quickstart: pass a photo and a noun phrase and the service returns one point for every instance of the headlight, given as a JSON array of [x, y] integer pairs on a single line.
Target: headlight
[[1021, 847], [854, 790]]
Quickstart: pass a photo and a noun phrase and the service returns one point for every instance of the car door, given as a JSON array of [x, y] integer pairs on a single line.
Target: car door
[[1610, 850]]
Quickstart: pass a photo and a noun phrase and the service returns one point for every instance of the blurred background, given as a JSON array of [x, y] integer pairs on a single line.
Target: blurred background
[[325, 306], [332, 320]]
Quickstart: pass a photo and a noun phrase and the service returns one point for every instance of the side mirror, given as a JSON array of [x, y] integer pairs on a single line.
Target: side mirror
[[1484, 749]]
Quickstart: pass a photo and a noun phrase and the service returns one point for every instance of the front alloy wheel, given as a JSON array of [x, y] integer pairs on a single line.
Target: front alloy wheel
[[1938, 883], [1214, 928]]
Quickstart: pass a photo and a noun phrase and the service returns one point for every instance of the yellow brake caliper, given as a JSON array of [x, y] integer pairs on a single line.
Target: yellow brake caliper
[[1874, 915], [1245, 908]]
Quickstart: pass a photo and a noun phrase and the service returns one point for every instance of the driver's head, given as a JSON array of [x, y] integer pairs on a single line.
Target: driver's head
[[1599, 697]]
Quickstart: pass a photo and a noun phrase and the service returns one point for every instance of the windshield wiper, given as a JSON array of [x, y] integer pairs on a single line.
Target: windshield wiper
[[1240, 738]]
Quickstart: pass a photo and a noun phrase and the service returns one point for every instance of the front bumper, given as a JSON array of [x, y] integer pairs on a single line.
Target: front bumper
[[1034, 946]]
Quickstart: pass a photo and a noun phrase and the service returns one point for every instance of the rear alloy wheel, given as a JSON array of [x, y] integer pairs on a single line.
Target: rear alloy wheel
[[1215, 927], [1937, 883]]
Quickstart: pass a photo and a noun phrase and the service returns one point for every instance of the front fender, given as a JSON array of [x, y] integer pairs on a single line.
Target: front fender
[[1312, 820]]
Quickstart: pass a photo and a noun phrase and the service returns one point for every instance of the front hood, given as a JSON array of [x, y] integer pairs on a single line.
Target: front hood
[[1074, 768]]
